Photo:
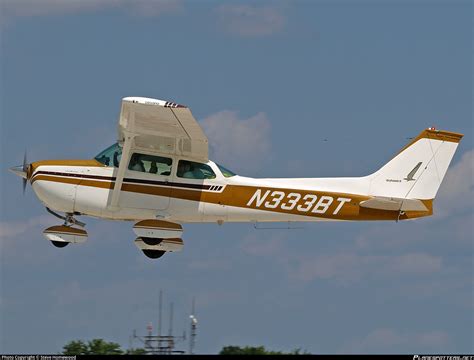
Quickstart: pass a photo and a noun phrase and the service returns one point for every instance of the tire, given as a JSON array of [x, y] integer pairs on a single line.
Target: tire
[[59, 244], [154, 254], [151, 241]]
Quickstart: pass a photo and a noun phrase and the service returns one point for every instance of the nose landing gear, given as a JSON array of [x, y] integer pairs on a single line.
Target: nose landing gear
[[68, 219], [62, 235]]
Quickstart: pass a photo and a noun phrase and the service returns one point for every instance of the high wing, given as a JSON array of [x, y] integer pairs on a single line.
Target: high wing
[[163, 127], [157, 126]]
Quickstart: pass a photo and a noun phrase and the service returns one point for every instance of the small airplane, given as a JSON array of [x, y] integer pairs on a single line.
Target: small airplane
[[158, 175]]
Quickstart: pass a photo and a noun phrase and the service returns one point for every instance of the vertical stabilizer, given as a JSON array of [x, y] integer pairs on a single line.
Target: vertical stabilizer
[[417, 171]]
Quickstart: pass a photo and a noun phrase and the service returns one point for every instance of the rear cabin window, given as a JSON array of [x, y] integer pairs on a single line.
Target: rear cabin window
[[150, 164], [194, 170]]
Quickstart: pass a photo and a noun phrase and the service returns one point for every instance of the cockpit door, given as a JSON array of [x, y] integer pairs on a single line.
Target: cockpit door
[[147, 182]]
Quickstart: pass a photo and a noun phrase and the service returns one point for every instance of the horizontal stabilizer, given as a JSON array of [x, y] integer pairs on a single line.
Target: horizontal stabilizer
[[394, 204]]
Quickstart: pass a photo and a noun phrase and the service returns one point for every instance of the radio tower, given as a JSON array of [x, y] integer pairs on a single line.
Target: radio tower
[[192, 338], [160, 344]]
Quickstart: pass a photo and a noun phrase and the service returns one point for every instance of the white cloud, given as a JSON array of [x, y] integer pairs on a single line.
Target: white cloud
[[344, 268], [258, 246], [388, 340], [9, 230], [15, 8], [250, 21], [152, 7], [209, 264], [238, 143], [347, 268], [27, 8], [20, 241], [414, 263], [457, 190], [212, 298]]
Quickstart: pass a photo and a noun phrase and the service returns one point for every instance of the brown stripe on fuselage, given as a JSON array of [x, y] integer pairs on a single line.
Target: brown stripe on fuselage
[[239, 196], [125, 180], [74, 181]]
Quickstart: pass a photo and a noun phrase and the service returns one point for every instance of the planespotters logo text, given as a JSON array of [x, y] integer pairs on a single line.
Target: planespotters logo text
[[443, 357]]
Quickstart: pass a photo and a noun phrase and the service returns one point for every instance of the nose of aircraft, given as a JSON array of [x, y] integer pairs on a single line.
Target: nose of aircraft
[[18, 170]]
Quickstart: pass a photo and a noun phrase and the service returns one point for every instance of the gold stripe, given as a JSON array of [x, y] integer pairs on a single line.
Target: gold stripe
[[75, 181], [61, 229], [158, 224], [64, 233], [90, 163], [155, 228], [238, 196]]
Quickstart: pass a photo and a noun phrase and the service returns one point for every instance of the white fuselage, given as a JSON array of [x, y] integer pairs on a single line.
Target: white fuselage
[[88, 189]]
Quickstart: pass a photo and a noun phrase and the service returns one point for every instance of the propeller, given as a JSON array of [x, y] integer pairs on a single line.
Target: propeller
[[25, 170], [22, 171]]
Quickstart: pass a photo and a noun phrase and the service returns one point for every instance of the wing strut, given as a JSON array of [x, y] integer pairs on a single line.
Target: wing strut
[[121, 171]]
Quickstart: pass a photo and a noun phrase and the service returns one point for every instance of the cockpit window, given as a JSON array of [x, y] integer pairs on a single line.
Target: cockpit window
[[226, 172], [150, 164], [110, 156]]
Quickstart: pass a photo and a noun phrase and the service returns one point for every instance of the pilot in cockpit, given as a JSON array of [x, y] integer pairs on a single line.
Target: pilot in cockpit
[[136, 164], [184, 169], [116, 159], [153, 167]]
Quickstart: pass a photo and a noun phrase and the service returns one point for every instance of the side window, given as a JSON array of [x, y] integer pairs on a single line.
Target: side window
[[150, 164], [194, 170]]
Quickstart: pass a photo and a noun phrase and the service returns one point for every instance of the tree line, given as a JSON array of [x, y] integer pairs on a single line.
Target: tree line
[[102, 347]]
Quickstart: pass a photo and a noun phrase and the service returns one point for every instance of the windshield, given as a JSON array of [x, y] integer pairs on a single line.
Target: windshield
[[110, 156], [226, 172]]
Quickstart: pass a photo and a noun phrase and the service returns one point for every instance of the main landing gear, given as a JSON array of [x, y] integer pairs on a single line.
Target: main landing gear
[[156, 237], [153, 254]]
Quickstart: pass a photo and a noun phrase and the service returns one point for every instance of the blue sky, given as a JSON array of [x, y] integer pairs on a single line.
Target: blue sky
[[269, 81]]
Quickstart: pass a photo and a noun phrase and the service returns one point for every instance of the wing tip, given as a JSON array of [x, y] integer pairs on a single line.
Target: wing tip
[[151, 101]]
